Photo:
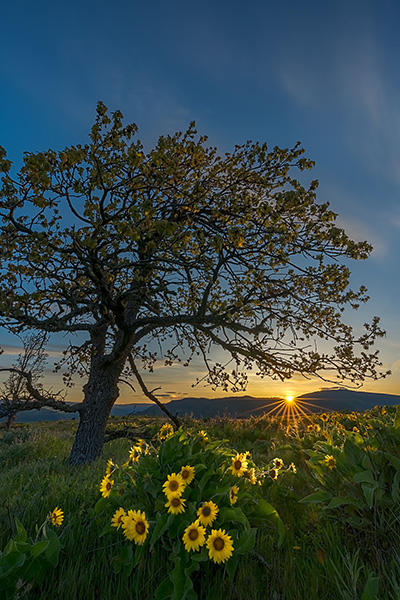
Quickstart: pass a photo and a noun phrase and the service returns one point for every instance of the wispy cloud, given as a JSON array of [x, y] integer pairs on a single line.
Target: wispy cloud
[[11, 350], [369, 92], [359, 93]]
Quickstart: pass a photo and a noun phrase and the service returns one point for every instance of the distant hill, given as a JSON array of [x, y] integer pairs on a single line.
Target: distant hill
[[240, 407], [232, 406], [342, 399], [49, 414]]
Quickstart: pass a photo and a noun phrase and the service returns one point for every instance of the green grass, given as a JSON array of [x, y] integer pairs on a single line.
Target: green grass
[[323, 557]]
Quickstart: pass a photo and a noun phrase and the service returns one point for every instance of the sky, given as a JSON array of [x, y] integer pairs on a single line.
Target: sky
[[325, 74]]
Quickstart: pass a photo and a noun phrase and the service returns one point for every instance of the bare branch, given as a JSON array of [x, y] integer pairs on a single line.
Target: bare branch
[[150, 394]]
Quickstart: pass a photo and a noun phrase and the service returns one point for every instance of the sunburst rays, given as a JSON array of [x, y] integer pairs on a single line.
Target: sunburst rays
[[291, 410]]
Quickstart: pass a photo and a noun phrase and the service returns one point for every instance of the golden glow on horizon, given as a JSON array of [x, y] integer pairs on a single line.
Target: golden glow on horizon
[[290, 409]]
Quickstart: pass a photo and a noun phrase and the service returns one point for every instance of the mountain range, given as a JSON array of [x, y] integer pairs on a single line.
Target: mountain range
[[241, 407]]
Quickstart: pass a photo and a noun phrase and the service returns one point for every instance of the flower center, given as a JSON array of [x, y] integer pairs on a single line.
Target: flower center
[[193, 534], [206, 511], [219, 544], [238, 465], [176, 502], [185, 474], [173, 485], [108, 485], [140, 528]]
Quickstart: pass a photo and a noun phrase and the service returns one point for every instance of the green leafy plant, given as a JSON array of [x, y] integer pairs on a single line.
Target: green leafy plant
[[358, 480], [195, 500], [25, 563]]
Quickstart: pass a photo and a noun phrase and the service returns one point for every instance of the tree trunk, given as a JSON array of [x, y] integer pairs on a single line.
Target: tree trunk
[[10, 420], [101, 392]]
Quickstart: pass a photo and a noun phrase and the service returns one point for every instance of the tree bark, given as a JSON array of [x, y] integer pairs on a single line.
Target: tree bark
[[10, 420], [101, 392]]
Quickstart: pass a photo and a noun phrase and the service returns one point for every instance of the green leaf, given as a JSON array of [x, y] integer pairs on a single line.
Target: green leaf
[[162, 524], [342, 501], [394, 460], [21, 533], [11, 561], [364, 477], [39, 547], [34, 570], [231, 565], [368, 494], [54, 547], [367, 462], [264, 513], [395, 493], [232, 515], [177, 525], [164, 590], [23, 547], [245, 542], [126, 555], [353, 454], [319, 496], [201, 556], [101, 504], [371, 589], [178, 579]]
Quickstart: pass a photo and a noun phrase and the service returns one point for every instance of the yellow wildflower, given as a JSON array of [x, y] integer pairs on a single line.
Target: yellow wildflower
[[203, 435], [174, 485], [220, 546], [330, 461], [118, 518], [273, 473], [176, 505], [194, 536], [233, 492], [187, 474], [207, 513], [57, 516], [106, 486], [165, 431], [239, 464], [250, 474], [278, 463], [135, 453], [135, 526]]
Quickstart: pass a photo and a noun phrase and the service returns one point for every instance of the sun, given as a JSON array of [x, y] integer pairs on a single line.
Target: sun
[[289, 398]]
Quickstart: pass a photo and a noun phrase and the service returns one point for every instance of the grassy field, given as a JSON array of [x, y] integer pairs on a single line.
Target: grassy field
[[342, 542]]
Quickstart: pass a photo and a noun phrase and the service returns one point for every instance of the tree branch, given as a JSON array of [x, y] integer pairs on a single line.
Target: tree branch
[[150, 395], [39, 400]]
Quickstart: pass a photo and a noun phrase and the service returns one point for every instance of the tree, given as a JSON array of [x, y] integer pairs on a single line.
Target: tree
[[23, 389], [171, 253]]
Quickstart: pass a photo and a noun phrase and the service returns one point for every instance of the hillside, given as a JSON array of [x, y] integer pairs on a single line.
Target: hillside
[[244, 406], [240, 407]]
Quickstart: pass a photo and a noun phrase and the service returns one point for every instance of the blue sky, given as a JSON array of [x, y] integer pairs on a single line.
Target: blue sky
[[323, 73]]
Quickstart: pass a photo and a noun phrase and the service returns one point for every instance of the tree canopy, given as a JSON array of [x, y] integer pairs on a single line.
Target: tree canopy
[[170, 253]]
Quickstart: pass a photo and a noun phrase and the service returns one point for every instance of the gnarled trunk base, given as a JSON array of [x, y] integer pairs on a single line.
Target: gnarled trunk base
[[101, 392]]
